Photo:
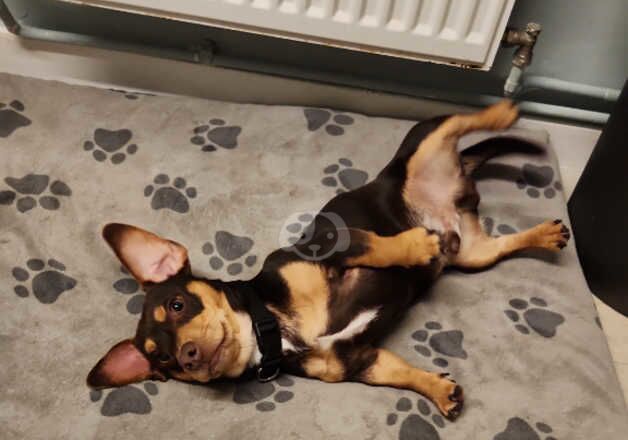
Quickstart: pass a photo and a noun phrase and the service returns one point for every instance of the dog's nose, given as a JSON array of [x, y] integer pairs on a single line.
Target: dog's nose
[[189, 356]]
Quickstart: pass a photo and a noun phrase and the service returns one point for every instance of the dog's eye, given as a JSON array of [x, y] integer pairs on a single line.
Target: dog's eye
[[176, 305], [164, 358]]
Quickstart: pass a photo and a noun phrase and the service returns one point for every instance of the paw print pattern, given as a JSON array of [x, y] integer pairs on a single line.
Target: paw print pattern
[[447, 343], [110, 142], [502, 228], [260, 392], [12, 118], [174, 197], [126, 400], [318, 117], [219, 136], [519, 429], [48, 285], [34, 185], [344, 175], [536, 178], [128, 286], [230, 248], [416, 426], [299, 228], [542, 321]]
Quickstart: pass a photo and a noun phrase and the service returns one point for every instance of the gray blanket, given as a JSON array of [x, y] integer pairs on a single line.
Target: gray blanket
[[224, 179]]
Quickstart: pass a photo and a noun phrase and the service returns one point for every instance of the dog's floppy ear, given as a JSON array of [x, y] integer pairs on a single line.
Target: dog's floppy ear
[[147, 256], [122, 365]]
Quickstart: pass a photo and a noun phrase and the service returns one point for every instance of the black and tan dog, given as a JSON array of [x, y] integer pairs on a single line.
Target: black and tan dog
[[418, 216]]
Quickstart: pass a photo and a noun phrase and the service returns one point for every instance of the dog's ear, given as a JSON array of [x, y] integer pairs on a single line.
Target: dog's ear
[[147, 256], [122, 365]]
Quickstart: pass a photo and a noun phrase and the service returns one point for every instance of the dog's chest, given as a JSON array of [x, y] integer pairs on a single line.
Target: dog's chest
[[308, 317]]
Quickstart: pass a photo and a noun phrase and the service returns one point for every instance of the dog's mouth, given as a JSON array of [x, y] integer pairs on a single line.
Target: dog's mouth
[[216, 357]]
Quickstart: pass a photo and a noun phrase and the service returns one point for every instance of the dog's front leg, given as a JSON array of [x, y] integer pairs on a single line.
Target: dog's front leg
[[413, 247], [381, 367]]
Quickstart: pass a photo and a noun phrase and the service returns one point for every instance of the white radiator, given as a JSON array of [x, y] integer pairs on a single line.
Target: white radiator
[[463, 32]]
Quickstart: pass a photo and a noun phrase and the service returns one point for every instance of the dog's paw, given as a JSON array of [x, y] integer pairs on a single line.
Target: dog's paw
[[424, 246], [448, 396], [501, 115], [552, 235]]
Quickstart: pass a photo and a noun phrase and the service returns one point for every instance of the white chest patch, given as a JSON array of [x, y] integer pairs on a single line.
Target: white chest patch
[[256, 355], [354, 328]]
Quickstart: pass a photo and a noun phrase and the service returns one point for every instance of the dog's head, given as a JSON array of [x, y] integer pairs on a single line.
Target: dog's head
[[188, 329]]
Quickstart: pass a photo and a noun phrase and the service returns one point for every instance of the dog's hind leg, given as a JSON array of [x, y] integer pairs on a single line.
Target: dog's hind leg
[[437, 151], [478, 250], [381, 367]]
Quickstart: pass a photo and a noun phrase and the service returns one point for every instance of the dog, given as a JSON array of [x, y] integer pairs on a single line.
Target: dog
[[398, 233]]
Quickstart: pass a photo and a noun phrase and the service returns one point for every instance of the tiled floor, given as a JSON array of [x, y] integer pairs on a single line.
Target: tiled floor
[[104, 68]]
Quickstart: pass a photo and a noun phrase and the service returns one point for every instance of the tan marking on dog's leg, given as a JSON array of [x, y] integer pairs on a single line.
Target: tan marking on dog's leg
[[414, 247], [391, 370], [324, 365], [309, 296], [479, 250], [159, 313], [149, 346]]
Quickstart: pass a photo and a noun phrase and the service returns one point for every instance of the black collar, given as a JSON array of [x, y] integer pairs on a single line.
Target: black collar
[[268, 337]]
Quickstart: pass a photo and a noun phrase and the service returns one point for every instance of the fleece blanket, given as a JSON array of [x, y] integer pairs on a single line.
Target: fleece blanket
[[225, 180]]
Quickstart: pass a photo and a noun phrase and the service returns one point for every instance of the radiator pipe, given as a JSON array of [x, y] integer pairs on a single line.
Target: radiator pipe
[[204, 54], [558, 85]]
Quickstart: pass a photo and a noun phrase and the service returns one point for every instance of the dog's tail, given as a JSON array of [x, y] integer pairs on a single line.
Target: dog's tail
[[475, 156]]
